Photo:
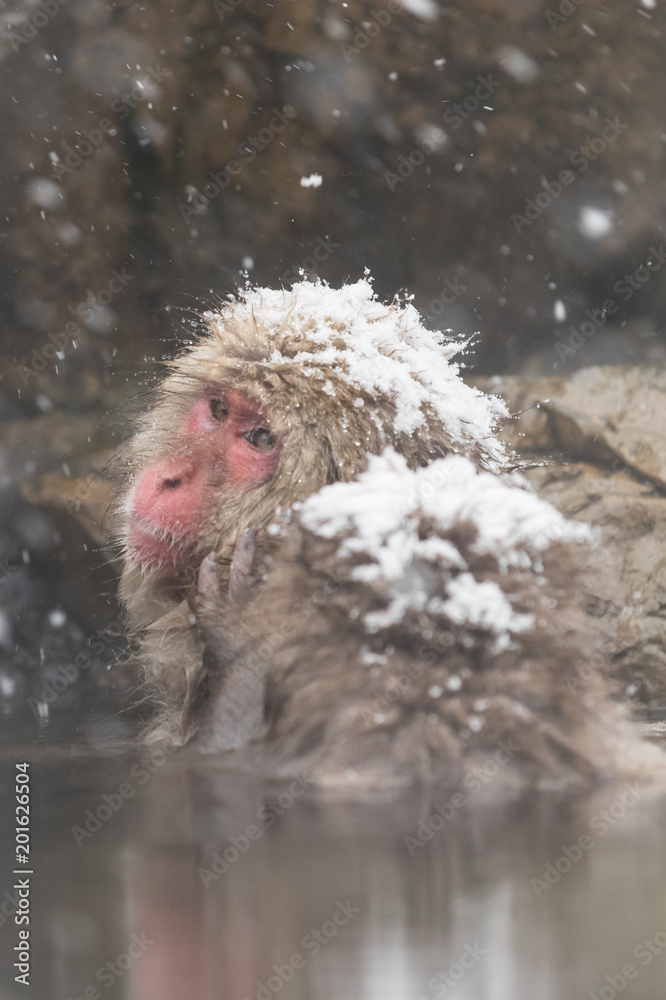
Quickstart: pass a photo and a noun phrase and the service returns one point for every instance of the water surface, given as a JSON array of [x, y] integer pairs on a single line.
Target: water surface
[[188, 882]]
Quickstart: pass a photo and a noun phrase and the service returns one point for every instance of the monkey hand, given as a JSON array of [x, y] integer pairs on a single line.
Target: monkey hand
[[240, 574], [211, 605]]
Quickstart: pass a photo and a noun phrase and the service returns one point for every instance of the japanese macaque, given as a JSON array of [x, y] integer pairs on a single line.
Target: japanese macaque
[[286, 392], [420, 626], [271, 629]]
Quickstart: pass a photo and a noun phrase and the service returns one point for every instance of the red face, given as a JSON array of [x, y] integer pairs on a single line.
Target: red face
[[225, 443]]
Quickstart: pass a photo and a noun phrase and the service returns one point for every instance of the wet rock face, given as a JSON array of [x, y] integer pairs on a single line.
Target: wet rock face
[[601, 436], [492, 158], [60, 634]]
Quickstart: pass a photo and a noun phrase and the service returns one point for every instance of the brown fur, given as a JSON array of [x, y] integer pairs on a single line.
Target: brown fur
[[424, 699], [326, 437], [286, 677]]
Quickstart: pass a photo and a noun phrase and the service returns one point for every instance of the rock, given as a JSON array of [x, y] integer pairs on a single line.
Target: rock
[[612, 419], [52, 503]]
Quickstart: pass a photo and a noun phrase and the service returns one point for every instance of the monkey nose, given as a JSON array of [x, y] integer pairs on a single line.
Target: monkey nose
[[168, 480], [161, 492]]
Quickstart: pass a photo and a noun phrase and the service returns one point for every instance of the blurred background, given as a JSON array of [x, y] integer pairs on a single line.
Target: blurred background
[[185, 146], [503, 162]]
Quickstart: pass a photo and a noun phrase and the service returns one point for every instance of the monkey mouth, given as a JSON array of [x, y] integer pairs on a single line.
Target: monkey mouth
[[158, 550]]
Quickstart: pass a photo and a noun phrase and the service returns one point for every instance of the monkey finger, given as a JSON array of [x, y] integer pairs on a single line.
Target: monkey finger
[[208, 586], [240, 576]]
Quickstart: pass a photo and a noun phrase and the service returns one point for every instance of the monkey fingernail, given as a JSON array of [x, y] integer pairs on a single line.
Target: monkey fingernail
[[208, 584]]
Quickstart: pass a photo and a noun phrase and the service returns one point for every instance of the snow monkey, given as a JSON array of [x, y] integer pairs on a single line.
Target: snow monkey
[[420, 625], [286, 396]]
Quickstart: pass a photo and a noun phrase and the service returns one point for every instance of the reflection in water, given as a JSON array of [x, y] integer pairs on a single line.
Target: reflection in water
[[193, 883]]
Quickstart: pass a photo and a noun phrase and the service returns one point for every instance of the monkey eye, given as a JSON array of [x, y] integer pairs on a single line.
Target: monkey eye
[[261, 439], [218, 410]]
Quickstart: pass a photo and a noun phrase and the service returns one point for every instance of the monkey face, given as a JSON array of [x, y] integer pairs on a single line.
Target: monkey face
[[225, 445]]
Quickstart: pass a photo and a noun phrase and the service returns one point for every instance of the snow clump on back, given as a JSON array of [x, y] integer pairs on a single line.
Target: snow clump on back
[[381, 518]]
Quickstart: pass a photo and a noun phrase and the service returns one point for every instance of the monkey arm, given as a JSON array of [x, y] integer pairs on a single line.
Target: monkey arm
[[239, 704]]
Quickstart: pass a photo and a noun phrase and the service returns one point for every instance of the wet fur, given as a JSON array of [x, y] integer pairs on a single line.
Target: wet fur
[[281, 680], [326, 438], [354, 710]]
